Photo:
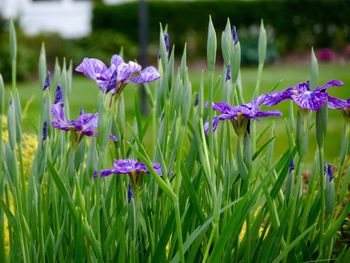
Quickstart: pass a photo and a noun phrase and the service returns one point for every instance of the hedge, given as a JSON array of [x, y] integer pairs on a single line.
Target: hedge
[[296, 25]]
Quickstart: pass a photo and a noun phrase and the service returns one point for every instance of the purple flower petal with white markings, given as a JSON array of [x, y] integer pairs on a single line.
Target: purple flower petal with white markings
[[310, 100], [247, 111], [59, 121], [130, 167], [92, 68], [117, 75], [332, 83], [304, 97], [116, 60], [276, 97], [86, 123], [336, 103], [149, 74]]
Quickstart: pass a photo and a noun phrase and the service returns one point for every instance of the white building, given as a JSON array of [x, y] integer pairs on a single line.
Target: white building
[[70, 18]]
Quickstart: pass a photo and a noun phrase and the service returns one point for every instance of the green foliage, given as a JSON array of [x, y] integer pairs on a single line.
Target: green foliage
[[222, 197]]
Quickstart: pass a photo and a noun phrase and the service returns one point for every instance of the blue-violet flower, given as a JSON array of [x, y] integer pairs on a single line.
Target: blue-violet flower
[[119, 74], [240, 115], [136, 170], [302, 95]]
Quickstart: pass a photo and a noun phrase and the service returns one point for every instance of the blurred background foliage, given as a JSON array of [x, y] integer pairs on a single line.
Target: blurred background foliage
[[292, 27]]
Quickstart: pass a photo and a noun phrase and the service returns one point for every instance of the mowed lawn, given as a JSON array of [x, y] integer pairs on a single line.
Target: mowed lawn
[[84, 94]]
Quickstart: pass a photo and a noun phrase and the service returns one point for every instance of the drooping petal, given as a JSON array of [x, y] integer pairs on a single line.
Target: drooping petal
[[134, 67], [332, 83], [149, 74], [276, 97], [223, 107], [271, 113], [310, 100], [92, 68], [107, 172], [336, 103], [59, 121]]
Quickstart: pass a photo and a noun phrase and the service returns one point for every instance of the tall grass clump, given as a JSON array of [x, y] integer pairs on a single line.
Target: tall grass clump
[[180, 185]]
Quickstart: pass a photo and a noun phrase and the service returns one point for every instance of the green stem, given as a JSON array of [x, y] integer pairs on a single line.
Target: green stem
[[322, 195], [294, 202], [212, 234], [179, 230]]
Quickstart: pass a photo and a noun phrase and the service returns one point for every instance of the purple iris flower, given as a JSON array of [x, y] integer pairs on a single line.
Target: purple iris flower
[[86, 123], [136, 170], [129, 166], [240, 115], [302, 95], [117, 75]]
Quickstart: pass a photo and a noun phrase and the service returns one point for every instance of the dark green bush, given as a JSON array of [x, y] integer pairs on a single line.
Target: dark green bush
[[297, 24]]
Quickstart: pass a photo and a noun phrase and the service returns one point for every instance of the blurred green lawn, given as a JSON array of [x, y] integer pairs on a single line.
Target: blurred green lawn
[[84, 94]]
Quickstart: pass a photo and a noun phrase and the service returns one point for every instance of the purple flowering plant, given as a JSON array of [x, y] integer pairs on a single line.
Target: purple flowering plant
[[134, 169], [240, 115], [303, 96], [84, 125], [118, 75], [227, 199]]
